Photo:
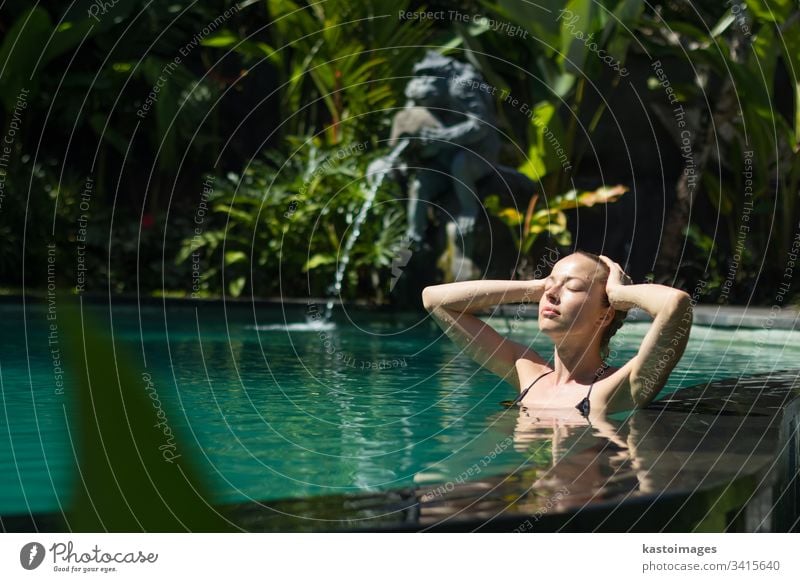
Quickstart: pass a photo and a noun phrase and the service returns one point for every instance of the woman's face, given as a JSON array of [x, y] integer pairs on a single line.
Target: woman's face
[[574, 299]]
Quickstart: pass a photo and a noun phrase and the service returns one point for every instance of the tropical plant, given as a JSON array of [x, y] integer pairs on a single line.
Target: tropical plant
[[335, 70], [76, 101], [279, 222], [550, 76], [341, 63], [526, 229], [741, 52], [129, 477], [745, 150], [547, 81]]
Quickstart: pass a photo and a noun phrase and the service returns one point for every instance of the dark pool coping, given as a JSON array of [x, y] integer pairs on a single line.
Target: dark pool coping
[[728, 316]]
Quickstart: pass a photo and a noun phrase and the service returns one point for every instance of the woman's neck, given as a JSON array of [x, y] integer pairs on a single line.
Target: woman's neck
[[579, 364]]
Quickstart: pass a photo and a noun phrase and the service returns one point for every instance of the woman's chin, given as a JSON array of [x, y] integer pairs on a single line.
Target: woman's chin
[[547, 325]]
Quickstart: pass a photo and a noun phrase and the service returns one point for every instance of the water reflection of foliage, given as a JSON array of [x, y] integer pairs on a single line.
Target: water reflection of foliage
[[540, 453]]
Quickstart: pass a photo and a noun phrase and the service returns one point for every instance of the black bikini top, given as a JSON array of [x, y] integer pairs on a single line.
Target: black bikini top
[[583, 406]]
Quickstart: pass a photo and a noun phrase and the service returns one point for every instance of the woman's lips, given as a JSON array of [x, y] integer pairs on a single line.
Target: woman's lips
[[549, 312]]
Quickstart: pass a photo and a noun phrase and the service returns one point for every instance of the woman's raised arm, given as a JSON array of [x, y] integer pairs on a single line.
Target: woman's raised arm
[[452, 305], [665, 341], [469, 296]]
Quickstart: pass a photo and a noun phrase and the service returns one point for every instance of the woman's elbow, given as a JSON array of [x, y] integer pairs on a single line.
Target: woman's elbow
[[683, 297], [683, 304], [428, 298], [643, 392]]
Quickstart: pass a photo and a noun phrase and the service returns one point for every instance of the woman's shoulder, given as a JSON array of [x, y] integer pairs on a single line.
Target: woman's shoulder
[[614, 387], [529, 371]]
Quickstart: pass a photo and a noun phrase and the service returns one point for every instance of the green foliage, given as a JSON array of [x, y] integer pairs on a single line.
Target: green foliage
[[22, 51], [336, 70], [110, 248], [340, 63], [83, 91], [552, 73], [525, 230], [754, 146], [134, 473], [737, 51], [96, 89], [281, 226]]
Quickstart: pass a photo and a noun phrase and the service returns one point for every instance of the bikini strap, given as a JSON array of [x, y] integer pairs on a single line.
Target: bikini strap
[[599, 374], [524, 392], [584, 406]]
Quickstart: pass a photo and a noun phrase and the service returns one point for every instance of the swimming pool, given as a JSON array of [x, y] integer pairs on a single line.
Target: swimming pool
[[375, 402]]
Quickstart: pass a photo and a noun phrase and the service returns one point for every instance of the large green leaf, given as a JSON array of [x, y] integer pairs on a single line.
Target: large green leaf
[[579, 21], [136, 473], [620, 29], [547, 150]]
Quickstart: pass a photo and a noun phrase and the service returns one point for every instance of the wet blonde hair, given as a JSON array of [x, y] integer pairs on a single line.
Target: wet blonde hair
[[619, 316]]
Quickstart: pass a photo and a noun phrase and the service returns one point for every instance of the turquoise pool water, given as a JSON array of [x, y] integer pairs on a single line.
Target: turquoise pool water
[[275, 411]]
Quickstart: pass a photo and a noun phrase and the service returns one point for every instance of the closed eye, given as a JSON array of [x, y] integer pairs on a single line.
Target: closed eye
[[572, 284]]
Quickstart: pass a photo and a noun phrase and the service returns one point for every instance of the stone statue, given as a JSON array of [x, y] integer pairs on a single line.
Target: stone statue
[[453, 145]]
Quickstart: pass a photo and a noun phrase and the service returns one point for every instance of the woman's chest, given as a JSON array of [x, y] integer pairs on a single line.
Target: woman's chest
[[542, 392], [563, 397]]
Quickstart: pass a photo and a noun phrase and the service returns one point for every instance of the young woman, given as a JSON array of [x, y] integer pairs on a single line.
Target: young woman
[[582, 303]]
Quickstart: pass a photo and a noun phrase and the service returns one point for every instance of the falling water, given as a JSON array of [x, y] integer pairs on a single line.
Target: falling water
[[315, 323], [336, 288]]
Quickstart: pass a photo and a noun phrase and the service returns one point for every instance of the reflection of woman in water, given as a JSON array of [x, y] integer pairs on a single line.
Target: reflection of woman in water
[[594, 461], [581, 305]]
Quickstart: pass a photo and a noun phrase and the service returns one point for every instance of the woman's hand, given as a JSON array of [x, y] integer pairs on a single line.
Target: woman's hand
[[616, 278]]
